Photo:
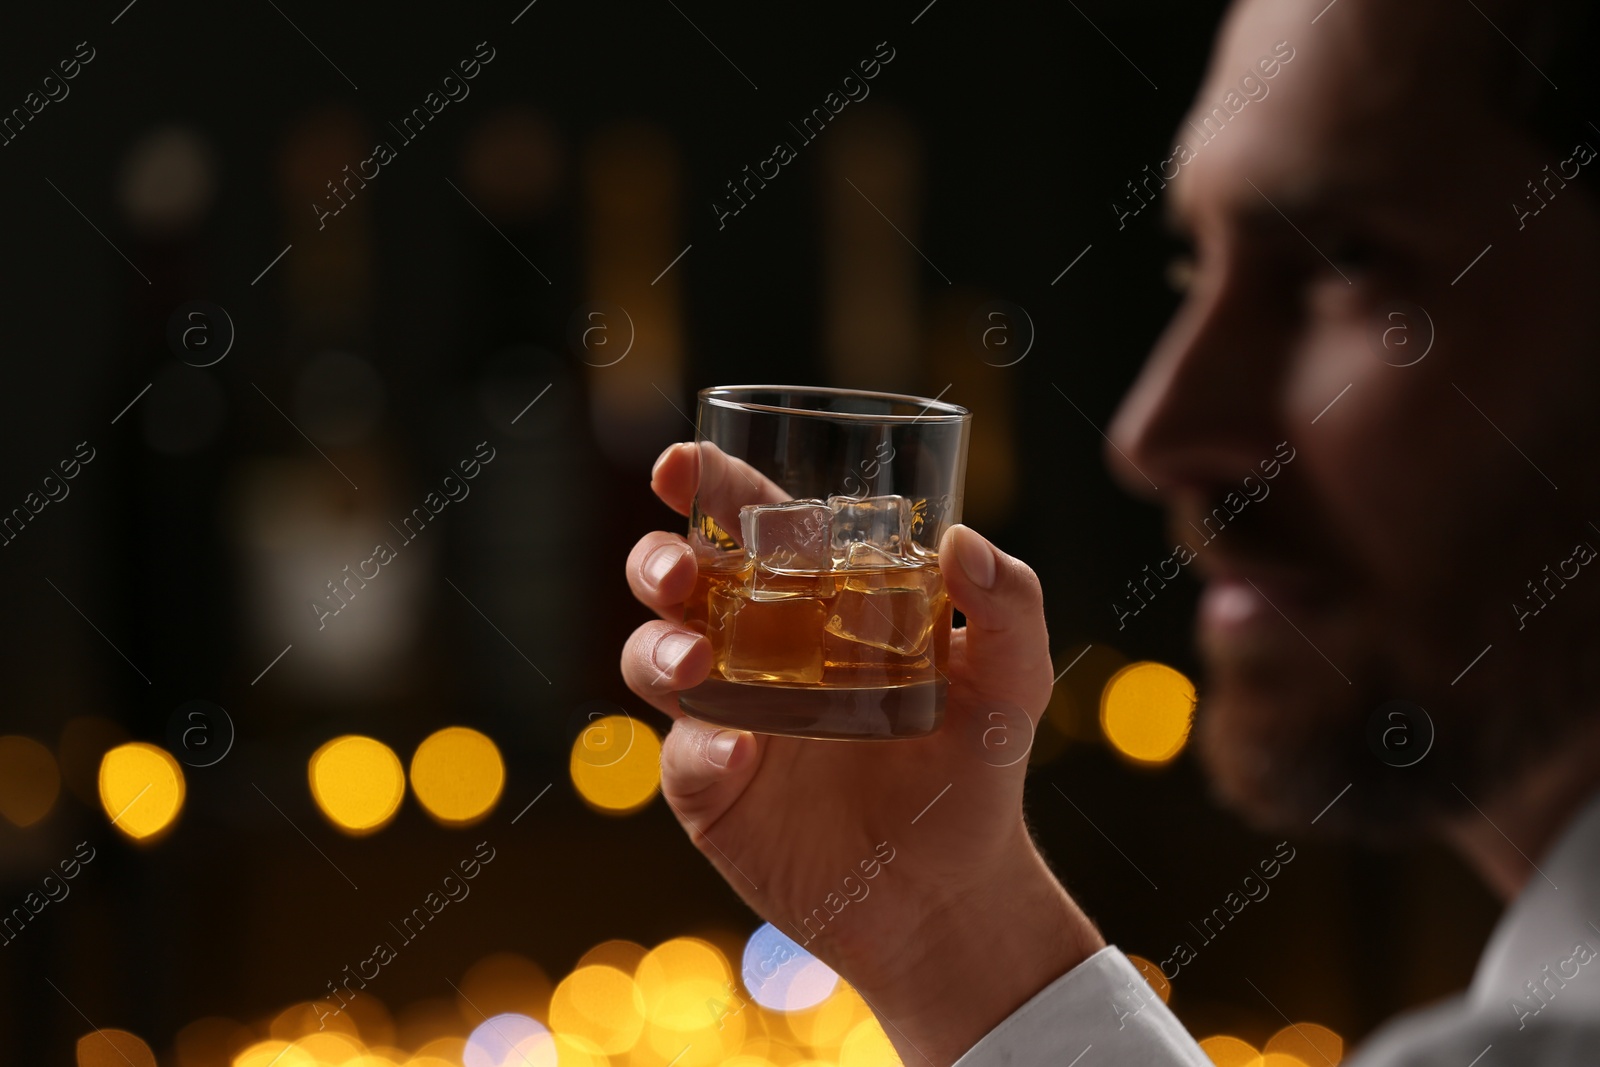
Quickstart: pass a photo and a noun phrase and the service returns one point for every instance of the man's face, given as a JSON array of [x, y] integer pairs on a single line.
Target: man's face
[[1397, 545]]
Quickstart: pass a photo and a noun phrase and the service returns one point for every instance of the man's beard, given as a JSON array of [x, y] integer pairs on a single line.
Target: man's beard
[[1289, 716], [1289, 744]]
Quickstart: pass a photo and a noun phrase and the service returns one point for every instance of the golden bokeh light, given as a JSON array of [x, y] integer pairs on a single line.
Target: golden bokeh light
[[274, 1053], [867, 1046], [575, 1051], [329, 1047], [618, 953], [1227, 1051], [1153, 977], [678, 979], [616, 764], [114, 1048], [601, 1005], [29, 780], [357, 783], [457, 775], [690, 1004], [1282, 1059], [706, 1046], [1145, 710], [825, 1027], [1307, 1042], [766, 1049], [449, 1049], [304, 1017], [141, 789]]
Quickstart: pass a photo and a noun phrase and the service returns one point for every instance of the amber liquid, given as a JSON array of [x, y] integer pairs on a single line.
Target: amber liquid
[[855, 653]]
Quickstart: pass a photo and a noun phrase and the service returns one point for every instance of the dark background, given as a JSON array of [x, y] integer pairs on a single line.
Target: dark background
[[595, 142]]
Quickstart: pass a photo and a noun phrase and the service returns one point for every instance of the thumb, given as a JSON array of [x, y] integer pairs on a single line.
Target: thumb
[[704, 769], [1007, 645]]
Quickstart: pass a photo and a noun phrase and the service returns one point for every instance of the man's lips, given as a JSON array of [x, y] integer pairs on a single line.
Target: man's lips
[[1237, 596]]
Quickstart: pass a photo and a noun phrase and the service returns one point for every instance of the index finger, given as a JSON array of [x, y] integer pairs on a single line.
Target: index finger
[[722, 482]]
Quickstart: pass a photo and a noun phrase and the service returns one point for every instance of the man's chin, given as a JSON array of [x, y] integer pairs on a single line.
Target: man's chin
[[1282, 753], [1259, 763]]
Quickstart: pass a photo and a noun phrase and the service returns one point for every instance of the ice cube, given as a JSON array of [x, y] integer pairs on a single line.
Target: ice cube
[[766, 641], [864, 555], [879, 522], [890, 611], [791, 536]]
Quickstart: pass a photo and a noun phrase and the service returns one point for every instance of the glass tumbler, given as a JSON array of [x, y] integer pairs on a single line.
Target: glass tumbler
[[816, 526]]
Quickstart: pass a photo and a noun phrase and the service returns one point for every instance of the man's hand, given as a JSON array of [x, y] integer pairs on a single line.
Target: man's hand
[[962, 922]]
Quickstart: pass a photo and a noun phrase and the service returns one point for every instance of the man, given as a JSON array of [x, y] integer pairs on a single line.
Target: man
[[1405, 162]]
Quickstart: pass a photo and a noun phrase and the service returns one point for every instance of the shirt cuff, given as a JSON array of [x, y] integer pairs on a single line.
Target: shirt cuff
[[1101, 1004]]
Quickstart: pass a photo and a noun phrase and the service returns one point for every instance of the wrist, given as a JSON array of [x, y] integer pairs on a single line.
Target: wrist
[[975, 956]]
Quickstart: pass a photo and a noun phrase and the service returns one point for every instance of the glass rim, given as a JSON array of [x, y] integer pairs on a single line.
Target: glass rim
[[723, 396]]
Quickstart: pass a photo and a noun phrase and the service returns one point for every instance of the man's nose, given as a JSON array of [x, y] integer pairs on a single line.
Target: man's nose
[[1205, 409]]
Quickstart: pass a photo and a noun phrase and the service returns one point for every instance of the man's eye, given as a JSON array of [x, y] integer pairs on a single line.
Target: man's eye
[[1180, 272], [1353, 259]]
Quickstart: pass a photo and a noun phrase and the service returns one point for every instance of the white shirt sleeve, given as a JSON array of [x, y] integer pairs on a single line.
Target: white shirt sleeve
[[1101, 1013]]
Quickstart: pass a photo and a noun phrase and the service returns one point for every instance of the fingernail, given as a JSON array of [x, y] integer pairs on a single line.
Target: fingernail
[[671, 650], [659, 564], [719, 750], [976, 557]]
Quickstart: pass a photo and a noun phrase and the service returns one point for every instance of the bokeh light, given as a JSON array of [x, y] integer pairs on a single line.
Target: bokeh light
[[329, 1047], [783, 976], [357, 783], [867, 1046], [1228, 1051], [141, 789], [448, 1049], [679, 977], [1308, 1042], [509, 1040], [618, 953], [616, 764], [273, 1053], [29, 780], [1145, 710], [302, 1017], [574, 1051], [457, 775], [825, 1027], [114, 1048], [167, 181], [601, 1005], [689, 1002]]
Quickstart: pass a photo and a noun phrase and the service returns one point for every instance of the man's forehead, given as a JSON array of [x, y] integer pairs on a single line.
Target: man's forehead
[[1315, 101]]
